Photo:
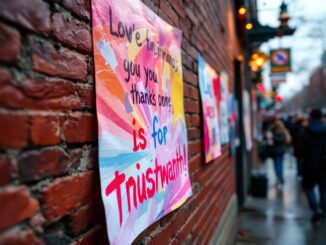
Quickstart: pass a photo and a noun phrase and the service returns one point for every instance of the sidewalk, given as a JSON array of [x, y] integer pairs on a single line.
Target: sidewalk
[[281, 219]]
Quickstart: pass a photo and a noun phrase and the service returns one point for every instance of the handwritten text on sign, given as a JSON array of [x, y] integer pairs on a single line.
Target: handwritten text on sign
[[142, 132]]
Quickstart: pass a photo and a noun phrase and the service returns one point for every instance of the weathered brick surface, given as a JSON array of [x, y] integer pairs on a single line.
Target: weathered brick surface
[[81, 8], [6, 169], [79, 128], [13, 130], [10, 43], [16, 205], [49, 179], [45, 136], [68, 193], [58, 61], [50, 161], [72, 33], [45, 93], [32, 14], [19, 236], [87, 217]]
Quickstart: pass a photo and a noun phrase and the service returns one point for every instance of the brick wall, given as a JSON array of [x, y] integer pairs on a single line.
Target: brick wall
[[48, 135]]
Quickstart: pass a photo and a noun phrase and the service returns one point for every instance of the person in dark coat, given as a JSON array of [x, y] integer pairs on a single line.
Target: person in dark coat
[[313, 148], [302, 124]]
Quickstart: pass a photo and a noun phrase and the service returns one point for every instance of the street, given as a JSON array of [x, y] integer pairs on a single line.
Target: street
[[282, 218]]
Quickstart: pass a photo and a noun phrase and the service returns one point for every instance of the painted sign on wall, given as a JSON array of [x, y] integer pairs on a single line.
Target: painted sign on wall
[[142, 131], [247, 120], [224, 104], [232, 119], [207, 77]]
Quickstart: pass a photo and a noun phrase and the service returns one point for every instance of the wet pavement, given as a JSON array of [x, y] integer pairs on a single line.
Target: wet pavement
[[281, 218]]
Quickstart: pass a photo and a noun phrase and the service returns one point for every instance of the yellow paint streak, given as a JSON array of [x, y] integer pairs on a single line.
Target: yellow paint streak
[[133, 48]]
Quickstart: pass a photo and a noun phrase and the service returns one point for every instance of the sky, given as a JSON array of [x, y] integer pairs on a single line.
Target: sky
[[307, 43]]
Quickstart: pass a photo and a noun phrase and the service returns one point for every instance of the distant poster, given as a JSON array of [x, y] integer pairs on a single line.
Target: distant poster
[[254, 108], [232, 119], [277, 78], [142, 132], [224, 103], [207, 78], [247, 120]]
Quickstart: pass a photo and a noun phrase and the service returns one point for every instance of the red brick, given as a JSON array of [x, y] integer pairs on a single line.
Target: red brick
[[19, 236], [79, 128], [195, 162], [192, 106], [188, 120], [173, 241], [190, 77], [6, 170], [166, 9], [184, 29], [192, 16], [186, 90], [193, 52], [5, 76], [32, 14], [186, 60], [86, 217], [72, 33], [16, 205], [82, 8], [177, 5], [46, 93], [68, 193], [59, 62], [54, 93], [195, 147], [86, 95], [193, 133], [37, 164], [196, 120], [45, 129], [96, 235], [84, 158], [13, 130], [10, 43], [194, 93]]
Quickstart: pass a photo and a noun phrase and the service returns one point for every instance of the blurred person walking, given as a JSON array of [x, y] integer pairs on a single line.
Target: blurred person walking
[[281, 138], [313, 148], [302, 123]]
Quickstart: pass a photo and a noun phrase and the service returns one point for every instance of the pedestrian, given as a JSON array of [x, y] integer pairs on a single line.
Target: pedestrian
[[281, 138], [313, 148], [302, 123]]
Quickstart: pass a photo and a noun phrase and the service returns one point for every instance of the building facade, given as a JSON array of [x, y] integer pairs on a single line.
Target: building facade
[[49, 178]]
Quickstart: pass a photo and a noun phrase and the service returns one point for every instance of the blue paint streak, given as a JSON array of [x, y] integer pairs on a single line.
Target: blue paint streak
[[143, 208], [122, 161], [107, 53]]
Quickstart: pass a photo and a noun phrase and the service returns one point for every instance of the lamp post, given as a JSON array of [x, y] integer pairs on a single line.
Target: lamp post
[[284, 16], [259, 33]]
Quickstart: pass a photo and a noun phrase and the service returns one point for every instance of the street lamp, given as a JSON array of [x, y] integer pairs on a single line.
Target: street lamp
[[284, 16], [257, 60], [259, 34], [242, 10]]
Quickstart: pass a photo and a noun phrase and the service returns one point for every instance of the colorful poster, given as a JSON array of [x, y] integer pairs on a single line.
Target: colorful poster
[[232, 119], [224, 110], [207, 78], [247, 120], [143, 154]]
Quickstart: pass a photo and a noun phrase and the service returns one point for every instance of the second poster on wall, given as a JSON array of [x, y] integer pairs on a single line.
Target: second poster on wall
[[212, 139]]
